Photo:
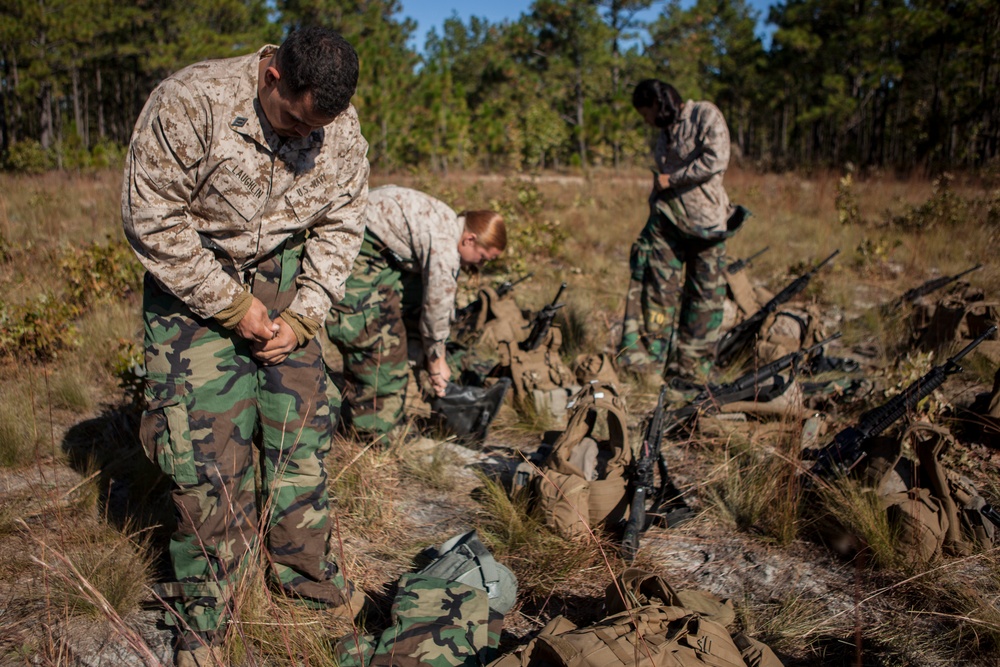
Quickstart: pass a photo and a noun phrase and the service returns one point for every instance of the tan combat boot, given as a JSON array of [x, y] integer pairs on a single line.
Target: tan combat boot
[[202, 656], [358, 602]]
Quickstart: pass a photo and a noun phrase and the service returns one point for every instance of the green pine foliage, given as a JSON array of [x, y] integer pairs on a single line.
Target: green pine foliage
[[896, 84]]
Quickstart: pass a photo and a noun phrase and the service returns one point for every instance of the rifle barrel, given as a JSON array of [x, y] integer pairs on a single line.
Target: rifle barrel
[[559, 294], [990, 513], [739, 264], [933, 285], [968, 348]]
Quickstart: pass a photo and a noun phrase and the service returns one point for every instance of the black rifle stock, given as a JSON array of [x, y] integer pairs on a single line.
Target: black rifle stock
[[741, 264], [643, 480], [542, 323], [932, 286], [846, 449], [749, 386], [740, 337], [990, 513]]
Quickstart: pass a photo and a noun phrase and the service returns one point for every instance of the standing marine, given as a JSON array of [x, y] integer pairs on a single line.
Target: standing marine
[[244, 193], [404, 281], [675, 299]]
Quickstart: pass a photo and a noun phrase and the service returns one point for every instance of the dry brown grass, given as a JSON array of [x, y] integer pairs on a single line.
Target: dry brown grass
[[750, 488], [755, 487]]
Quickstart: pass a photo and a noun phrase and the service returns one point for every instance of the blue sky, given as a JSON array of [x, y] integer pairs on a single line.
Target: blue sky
[[432, 13]]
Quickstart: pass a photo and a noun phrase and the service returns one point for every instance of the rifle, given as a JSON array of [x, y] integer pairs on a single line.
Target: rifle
[[846, 449], [740, 337], [667, 505], [990, 513], [931, 286], [741, 264], [502, 290], [542, 323], [749, 386]]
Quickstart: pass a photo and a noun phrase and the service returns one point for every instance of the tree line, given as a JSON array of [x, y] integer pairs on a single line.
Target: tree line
[[884, 84]]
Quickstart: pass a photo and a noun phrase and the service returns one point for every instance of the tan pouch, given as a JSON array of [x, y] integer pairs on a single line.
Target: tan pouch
[[920, 521]]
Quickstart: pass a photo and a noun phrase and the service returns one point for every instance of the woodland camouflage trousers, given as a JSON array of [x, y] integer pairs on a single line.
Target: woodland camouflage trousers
[[670, 270], [208, 401], [367, 326]]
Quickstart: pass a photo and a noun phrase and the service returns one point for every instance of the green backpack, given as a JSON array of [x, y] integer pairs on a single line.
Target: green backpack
[[465, 559], [449, 614]]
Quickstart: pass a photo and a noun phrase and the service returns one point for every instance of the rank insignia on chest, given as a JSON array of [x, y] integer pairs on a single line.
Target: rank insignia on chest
[[239, 121]]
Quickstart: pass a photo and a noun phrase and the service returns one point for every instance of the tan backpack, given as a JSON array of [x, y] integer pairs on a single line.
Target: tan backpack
[[960, 501], [648, 625], [590, 367], [789, 329], [962, 314], [940, 515], [540, 379], [582, 484], [497, 319]]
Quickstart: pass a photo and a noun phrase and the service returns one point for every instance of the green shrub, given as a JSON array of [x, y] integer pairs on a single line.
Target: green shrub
[[108, 271], [28, 157], [38, 329], [130, 370], [946, 208], [528, 235]]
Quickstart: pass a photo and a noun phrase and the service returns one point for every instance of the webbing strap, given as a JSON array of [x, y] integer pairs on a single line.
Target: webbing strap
[[624, 651]]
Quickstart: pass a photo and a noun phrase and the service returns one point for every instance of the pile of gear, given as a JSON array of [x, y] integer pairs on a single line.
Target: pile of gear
[[496, 343], [450, 614]]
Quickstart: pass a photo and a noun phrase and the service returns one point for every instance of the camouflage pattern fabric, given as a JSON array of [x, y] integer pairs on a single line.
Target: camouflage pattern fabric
[[209, 185], [435, 623], [677, 288], [208, 399], [367, 328], [695, 151], [423, 234]]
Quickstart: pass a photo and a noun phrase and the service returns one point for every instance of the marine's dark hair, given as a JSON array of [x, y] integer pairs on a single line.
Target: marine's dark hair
[[661, 96], [320, 61]]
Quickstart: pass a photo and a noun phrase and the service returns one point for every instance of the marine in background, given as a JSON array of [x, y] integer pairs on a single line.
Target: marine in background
[[404, 282], [674, 304]]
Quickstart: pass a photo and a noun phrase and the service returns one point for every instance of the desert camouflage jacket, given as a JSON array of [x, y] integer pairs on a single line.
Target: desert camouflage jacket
[[424, 232], [210, 189], [694, 151]]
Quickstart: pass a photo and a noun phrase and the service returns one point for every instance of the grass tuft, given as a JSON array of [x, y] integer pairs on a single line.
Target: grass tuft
[[758, 490], [17, 428], [70, 390], [101, 566], [432, 468], [853, 511], [363, 478], [517, 536]]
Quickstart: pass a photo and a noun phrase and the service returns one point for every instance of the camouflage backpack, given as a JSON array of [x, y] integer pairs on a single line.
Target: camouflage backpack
[[582, 483], [450, 614], [465, 559]]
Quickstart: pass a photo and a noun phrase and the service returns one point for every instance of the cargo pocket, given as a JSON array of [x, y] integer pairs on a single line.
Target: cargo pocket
[[638, 259], [166, 436]]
